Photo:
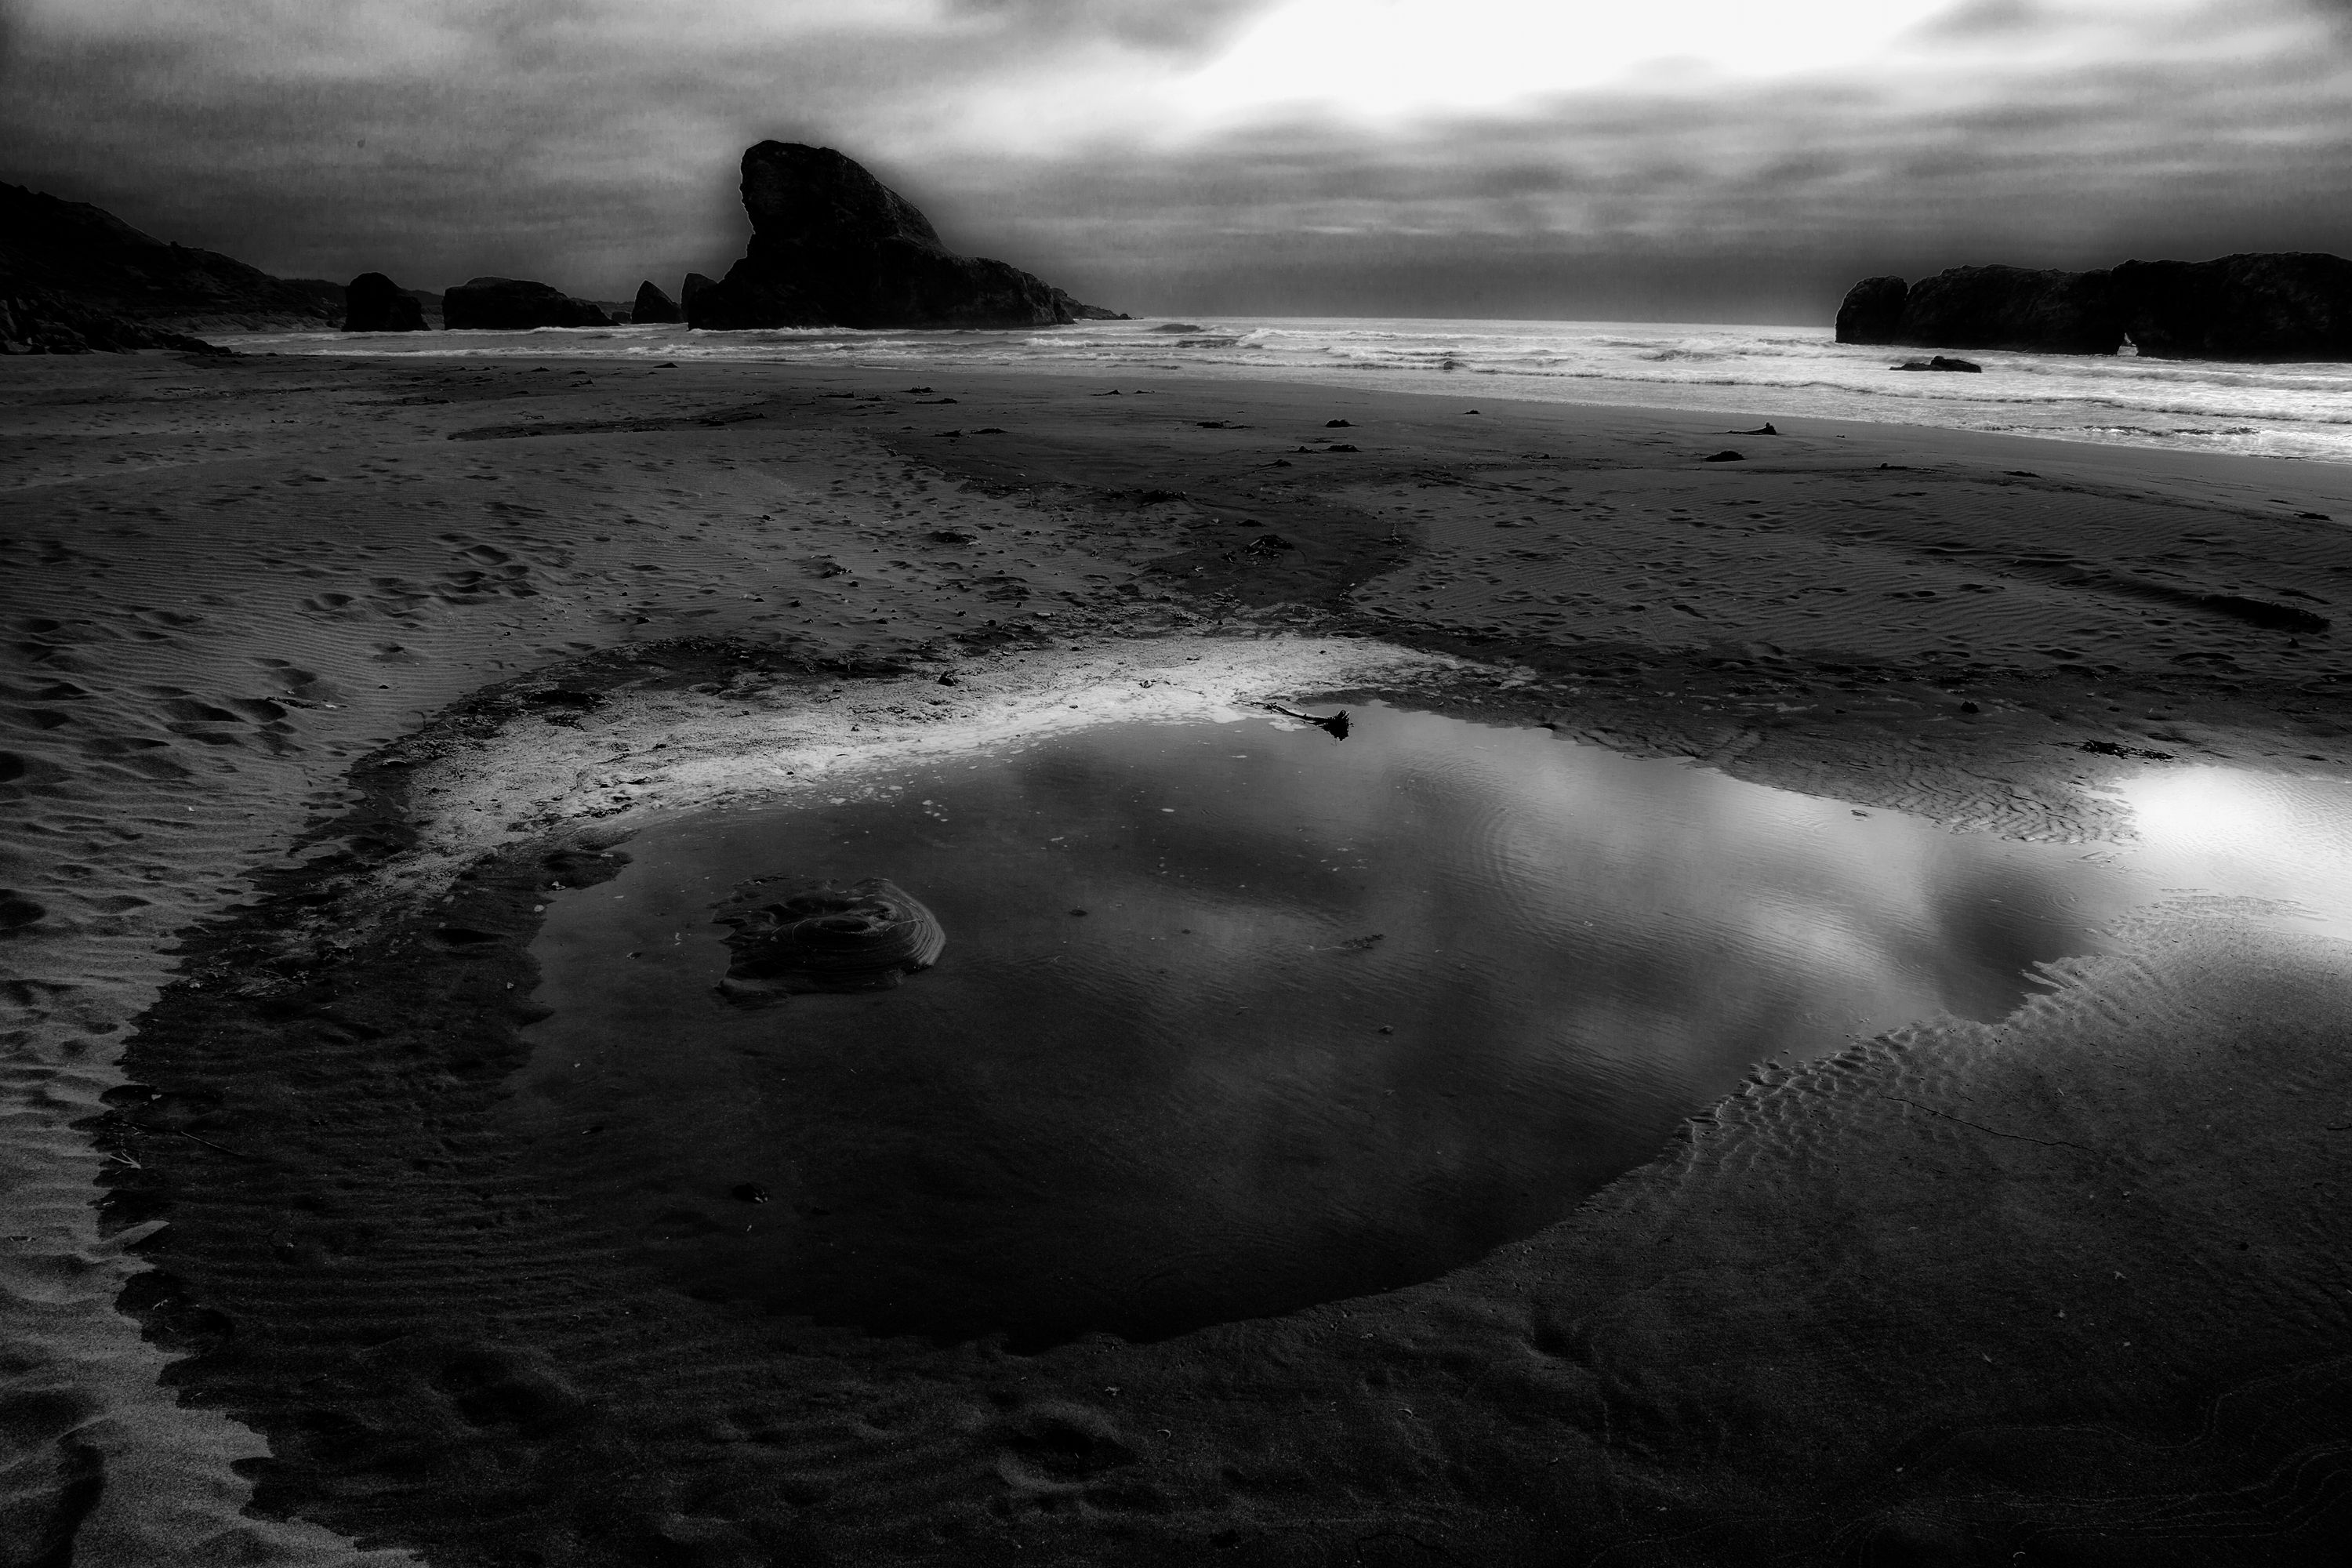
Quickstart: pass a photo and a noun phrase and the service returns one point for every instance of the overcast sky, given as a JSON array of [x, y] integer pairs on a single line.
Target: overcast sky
[[1735, 160]]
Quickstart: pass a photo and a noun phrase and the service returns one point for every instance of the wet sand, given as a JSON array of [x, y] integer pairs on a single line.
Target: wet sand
[[314, 661]]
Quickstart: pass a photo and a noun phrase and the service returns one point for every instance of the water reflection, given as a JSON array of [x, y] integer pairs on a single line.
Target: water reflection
[[1336, 1015]]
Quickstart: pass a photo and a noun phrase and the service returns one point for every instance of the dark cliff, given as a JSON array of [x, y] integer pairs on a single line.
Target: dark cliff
[[834, 246], [2283, 306], [71, 252]]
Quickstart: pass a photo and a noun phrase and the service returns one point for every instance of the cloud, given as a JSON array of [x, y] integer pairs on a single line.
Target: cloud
[[591, 142], [1187, 30]]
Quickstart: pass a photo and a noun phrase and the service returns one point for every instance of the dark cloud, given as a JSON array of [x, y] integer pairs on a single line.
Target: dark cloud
[[1190, 29], [591, 142], [1987, 19]]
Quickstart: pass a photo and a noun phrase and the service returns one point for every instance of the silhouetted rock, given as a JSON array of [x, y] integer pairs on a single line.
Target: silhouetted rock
[[1079, 311], [1940, 362], [1873, 311], [695, 284], [2011, 307], [70, 253], [653, 305], [2295, 305], [2289, 306], [36, 322], [515, 304], [834, 246], [374, 303], [327, 295]]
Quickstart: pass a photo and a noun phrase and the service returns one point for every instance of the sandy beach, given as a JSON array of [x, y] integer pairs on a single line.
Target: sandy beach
[[314, 661]]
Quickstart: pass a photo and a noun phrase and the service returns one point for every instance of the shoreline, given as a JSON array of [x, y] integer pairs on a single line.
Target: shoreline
[[2227, 407], [1697, 656]]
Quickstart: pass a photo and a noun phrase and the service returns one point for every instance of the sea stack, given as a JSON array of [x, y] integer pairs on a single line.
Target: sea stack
[[1873, 311], [695, 284], [514, 304], [834, 246], [2288, 306], [374, 304], [653, 305]]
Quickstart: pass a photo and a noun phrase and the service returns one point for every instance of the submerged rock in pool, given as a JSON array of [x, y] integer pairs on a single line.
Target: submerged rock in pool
[[790, 935]]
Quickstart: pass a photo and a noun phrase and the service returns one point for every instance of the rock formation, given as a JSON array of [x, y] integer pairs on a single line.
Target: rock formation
[[834, 246], [515, 304], [81, 258], [1873, 311], [2292, 306], [653, 305], [695, 284], [788, 935], [374, 303], [2011, 307], [39, 322]]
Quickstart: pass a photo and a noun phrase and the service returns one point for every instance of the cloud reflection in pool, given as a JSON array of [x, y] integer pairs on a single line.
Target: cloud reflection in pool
[[1210, 1096]]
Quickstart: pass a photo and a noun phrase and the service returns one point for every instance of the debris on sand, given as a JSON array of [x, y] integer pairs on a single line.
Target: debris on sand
[[824, 936], [1332, 724]]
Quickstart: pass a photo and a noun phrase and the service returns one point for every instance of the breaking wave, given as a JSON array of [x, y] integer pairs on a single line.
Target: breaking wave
[[1764, 371]]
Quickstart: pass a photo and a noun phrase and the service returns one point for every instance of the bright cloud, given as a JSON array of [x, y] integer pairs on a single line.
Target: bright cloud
[[1381, 58]]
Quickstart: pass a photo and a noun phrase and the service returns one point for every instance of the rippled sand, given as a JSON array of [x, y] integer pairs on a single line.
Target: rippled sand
[[1831, 1314]]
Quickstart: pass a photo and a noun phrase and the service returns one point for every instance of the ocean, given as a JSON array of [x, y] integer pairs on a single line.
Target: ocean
[[2302, 410]]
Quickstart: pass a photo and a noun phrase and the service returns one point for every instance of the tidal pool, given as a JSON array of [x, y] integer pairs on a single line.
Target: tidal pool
[[1235, 1017]]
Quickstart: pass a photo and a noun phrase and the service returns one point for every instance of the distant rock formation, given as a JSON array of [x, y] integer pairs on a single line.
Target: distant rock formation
[[2289, 306], [327, 295], [74, 255], [834, 246], [695, 284], [39, 322], [2011, 307], [1873, 311], [653, 305], [374, 303], [515, 304], [1966, 367]]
